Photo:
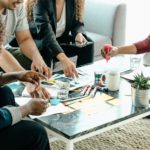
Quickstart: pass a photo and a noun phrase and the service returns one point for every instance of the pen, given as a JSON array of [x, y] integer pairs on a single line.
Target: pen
[[88, 90], [93, 93], [75, 81], [84, 90], [77, 100]]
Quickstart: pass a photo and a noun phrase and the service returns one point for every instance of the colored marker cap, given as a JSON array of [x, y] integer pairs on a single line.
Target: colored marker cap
[[107, 48]]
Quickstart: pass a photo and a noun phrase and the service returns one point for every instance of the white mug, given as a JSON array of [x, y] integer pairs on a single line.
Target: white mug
[[113, 80]]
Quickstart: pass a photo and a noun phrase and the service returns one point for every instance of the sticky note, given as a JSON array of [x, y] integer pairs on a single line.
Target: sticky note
[[76, 105], [103, 97], [115, 102], [55, 101]]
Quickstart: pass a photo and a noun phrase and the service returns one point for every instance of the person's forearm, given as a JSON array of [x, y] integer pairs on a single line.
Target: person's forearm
[[24, 110], [29, 49], [8, 63], [130, 49], [8, 77], [61, 57]]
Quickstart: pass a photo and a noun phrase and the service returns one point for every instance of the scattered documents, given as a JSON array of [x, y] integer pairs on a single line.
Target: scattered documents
[[51, 110]]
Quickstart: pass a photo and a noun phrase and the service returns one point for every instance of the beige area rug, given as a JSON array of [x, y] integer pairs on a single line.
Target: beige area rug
[[132, 136]]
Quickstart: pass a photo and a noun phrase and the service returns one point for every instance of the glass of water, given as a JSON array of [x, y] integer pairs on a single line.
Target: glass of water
[[135, 61], [63, 89]]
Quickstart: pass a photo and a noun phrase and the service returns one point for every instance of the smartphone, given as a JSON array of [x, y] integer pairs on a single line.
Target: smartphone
[[76, 44]]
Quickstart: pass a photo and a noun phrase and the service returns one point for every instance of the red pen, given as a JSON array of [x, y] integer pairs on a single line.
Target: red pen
[[107, 48], [88, 90]]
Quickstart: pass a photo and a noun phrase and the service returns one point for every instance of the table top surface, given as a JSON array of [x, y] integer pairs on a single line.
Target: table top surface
[[80, 122]]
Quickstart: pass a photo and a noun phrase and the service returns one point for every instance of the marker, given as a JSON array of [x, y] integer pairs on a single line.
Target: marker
[[51, 81], [88, 90], [107, 48], [80, 72], [84, 90], [75, 81], [93, 93], [75, 91]]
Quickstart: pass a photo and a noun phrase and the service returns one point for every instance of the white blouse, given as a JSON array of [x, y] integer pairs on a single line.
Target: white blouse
[[61, 24]]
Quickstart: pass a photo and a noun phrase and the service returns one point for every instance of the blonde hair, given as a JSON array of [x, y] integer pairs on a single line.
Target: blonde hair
[[79, 9]]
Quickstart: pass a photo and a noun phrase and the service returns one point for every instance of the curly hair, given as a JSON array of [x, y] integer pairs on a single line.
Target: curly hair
[[79, 4], [79, 9], [29, 6], [2, 32]]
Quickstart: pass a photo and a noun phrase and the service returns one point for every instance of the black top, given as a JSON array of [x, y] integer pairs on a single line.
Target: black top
[[44, 16]]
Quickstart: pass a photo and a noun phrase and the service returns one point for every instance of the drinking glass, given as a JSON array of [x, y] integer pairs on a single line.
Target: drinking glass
[[63, 89], [135, 61]]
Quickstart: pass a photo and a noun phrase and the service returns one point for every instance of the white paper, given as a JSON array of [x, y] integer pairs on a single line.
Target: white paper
[[82, 80], [60, 108], [51, 90], [51, 110], [22, 100]]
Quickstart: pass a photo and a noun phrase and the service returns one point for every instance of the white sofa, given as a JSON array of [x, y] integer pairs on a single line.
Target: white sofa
[[105, 22]]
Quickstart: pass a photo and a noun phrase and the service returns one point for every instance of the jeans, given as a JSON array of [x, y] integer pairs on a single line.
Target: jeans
[[25, 135]]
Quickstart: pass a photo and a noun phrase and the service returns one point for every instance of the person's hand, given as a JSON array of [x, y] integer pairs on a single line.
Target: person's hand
[[40, 66], [35, 106], [80, 39], [113, 52], [39, 92], [30, 76], [69, 68]]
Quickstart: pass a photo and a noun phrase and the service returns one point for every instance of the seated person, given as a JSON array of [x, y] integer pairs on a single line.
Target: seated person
[[13, 20], [51, 23], [12, 14], [136, 48], [23, 134]]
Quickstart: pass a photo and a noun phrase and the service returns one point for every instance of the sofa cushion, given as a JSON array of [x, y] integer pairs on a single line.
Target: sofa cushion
[[99, 16]]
